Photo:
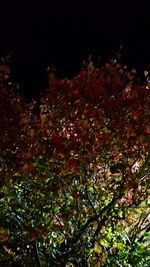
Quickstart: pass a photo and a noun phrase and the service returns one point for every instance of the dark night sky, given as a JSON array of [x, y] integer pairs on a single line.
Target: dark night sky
[[63, 33]]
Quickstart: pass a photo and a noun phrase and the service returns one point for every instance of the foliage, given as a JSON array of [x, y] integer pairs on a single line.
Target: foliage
[[74, 176]]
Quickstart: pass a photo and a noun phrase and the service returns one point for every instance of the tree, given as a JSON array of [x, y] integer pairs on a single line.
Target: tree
[[76, 187]]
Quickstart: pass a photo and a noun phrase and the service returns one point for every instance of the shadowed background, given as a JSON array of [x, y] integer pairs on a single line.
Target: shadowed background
[[64, 33]]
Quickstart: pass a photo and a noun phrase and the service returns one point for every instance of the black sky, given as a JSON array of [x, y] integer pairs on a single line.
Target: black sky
[[63, 33]]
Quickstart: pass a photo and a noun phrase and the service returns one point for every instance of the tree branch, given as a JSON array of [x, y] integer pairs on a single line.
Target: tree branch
[[36, 253]]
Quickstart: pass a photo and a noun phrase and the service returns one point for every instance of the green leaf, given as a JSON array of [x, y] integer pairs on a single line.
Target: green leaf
[[147, 234]]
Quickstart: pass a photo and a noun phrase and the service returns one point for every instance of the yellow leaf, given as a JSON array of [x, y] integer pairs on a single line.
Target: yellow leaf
[[69, 265], [43, 118], [97, 249], [95, 224], [60, 239], [103, 242]]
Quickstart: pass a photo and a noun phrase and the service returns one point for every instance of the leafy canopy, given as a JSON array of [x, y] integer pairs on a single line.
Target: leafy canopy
[[74, 176]]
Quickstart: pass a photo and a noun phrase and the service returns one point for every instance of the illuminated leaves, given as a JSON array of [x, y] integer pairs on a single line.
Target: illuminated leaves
[[75, 176]]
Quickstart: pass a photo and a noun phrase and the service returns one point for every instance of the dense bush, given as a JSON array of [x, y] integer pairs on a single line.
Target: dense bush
[[74, 171]]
